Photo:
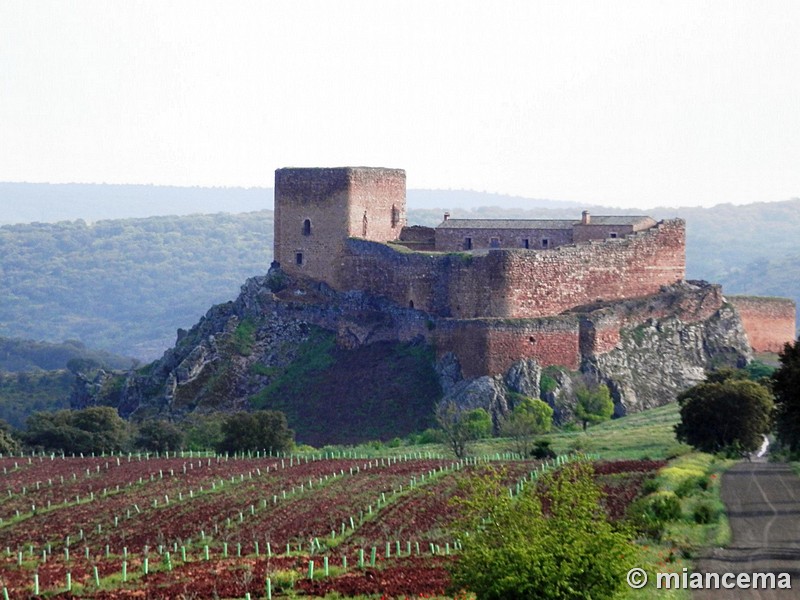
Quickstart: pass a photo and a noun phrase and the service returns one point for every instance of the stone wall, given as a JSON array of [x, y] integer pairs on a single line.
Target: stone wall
[[418, 237], [546, 283], [491, 346], [316, 210], [453, 239], [769, 322], [518, 283]]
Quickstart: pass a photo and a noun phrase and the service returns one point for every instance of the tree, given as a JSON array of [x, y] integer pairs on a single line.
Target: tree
[[529, 418], [594, 404], [159, 436], [478, 423], [95, 429], [731, 415], [518, 549], [461, 426], [259, 430], [203, 432], [786, 386], [8, 442]]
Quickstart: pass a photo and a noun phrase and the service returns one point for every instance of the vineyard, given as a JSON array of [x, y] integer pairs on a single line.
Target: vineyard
[[190, 526]]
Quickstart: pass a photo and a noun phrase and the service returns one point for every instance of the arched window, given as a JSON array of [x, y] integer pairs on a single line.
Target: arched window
[[307, 227]]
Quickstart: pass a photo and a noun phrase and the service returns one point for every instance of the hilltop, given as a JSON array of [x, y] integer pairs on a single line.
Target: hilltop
[[126, 285]]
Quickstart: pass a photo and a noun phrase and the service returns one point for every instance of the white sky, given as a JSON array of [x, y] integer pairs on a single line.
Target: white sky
[[624, 103]]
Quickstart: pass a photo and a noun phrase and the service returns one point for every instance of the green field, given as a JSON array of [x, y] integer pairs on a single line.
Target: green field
[[647, 434]]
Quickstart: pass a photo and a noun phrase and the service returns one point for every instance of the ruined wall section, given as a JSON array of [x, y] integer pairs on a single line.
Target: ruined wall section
[[769, 322], [459, 285], [515, 283], [491, 346], [547, 283]]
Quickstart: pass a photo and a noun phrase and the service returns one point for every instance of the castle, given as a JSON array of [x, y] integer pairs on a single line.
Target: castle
[[498, 290]]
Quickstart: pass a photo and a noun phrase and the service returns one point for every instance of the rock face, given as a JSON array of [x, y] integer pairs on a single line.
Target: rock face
[[658, 359], [651, 364], [241, 352]]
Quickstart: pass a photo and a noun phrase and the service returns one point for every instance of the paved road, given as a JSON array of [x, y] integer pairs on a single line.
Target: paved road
[[763, 501]]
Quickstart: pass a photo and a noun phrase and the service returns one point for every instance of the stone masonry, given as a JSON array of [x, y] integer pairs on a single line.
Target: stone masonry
[[498, 291]]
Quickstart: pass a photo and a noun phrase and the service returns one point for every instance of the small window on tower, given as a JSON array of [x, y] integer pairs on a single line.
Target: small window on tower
[[299, 258], [395, 216], [494, 242], [545, 243], [467, 243], [612, 235], [307, 227], [526, 243]]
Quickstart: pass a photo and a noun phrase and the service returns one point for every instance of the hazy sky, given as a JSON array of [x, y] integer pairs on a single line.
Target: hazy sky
[[626, 103]]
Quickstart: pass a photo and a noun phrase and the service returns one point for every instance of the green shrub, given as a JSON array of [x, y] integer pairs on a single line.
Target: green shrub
[[159, 436], [691, 485], [650, 514], [429, 436], [259, 430], [547, 384], [513, 550], [705, 512], [542, 450], [244, 337], [665, 506]]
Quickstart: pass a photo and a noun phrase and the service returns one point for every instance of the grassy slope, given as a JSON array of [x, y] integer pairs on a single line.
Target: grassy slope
[[375, 392], [648, 434]]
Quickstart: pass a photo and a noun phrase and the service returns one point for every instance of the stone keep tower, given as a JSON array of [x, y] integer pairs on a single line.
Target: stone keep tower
[[316, 210]]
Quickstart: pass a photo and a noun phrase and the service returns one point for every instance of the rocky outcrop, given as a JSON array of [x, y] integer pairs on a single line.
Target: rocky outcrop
[[646, 351], [656, 358]]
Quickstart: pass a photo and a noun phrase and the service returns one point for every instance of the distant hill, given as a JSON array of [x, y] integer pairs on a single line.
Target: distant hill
[[127, 285], [18, 355], [50, 203]]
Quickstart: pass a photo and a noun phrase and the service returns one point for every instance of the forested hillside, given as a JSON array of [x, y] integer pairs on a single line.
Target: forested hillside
[[18, 356], [125, 285]]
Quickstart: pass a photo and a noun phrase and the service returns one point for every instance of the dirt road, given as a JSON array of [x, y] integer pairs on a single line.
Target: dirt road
[[763, 502]]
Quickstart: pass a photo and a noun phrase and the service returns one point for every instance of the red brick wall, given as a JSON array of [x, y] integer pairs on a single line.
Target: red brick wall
[[452, 240], [518, 283], [489, 347], [375, 192], [544, 283], [599, 333], [769, 322]]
